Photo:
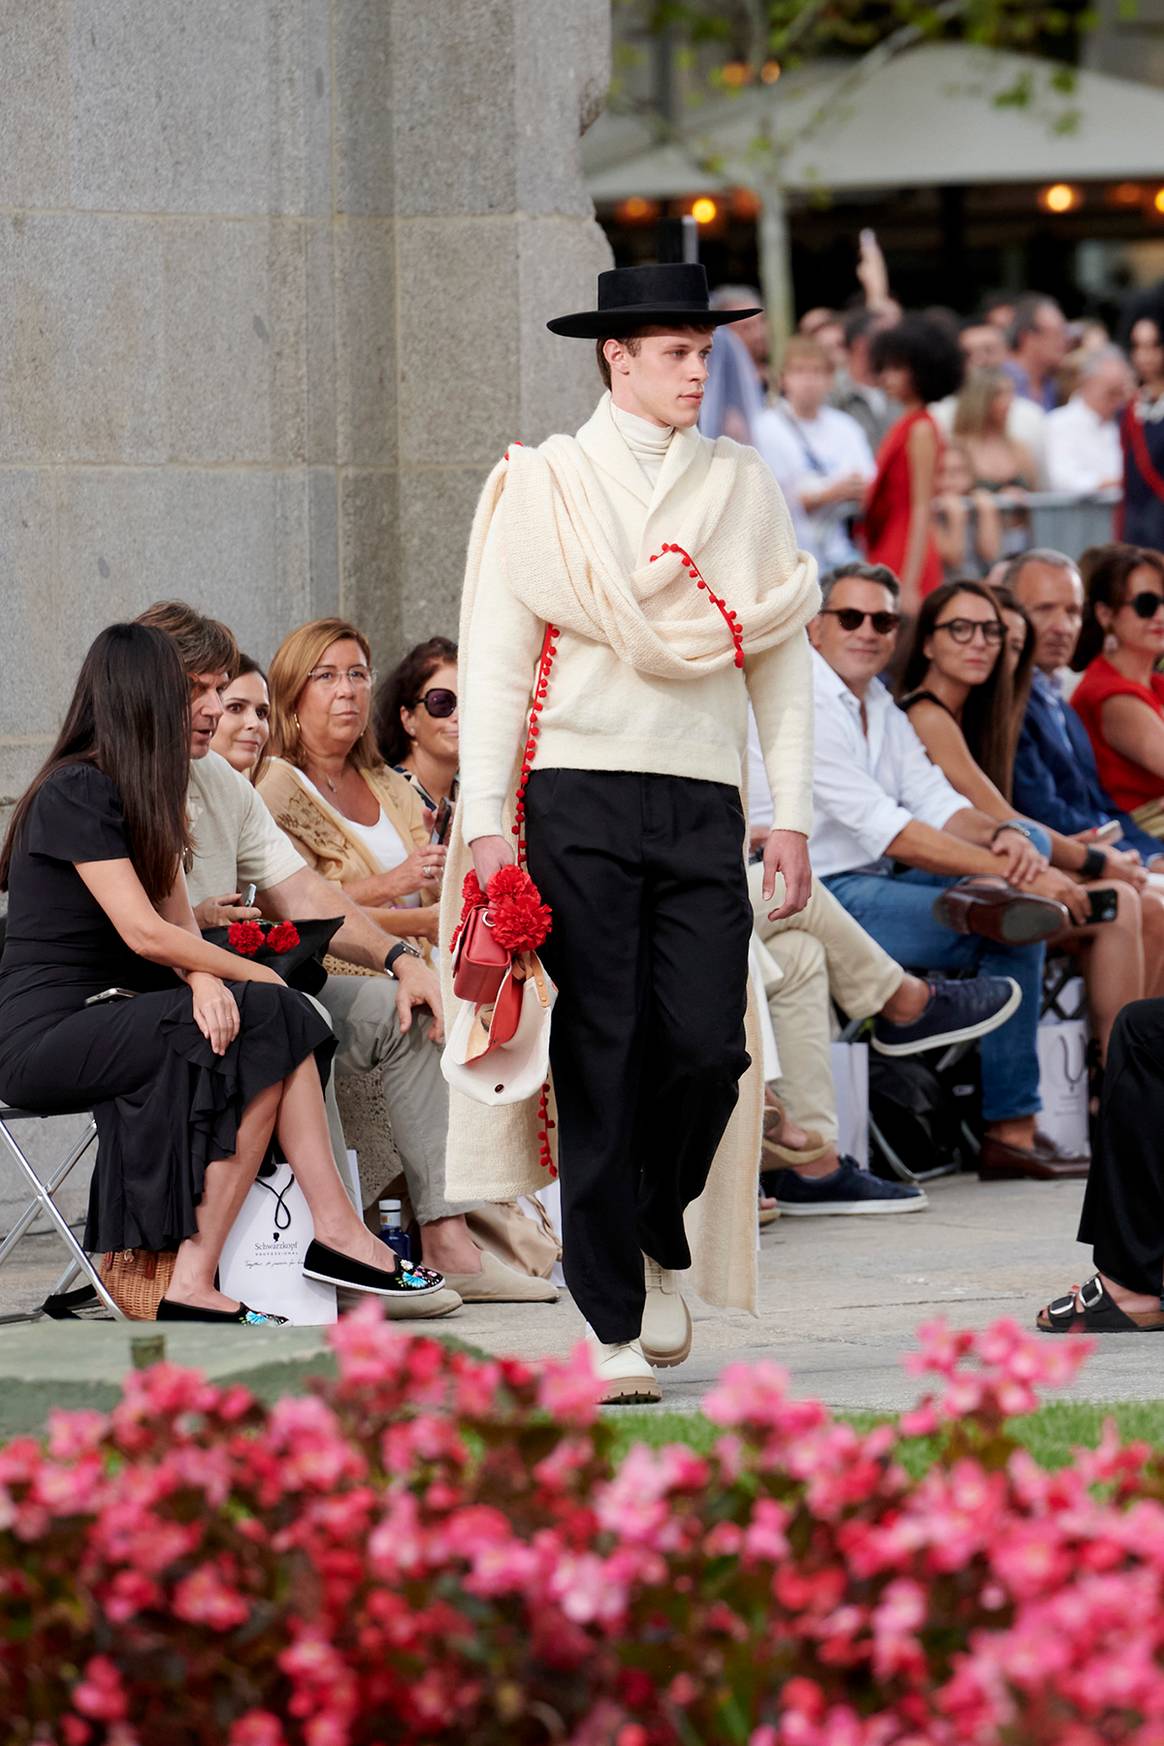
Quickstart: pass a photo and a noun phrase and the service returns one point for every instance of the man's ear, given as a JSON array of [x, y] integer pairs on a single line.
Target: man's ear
[[814, 630], [615, 353]]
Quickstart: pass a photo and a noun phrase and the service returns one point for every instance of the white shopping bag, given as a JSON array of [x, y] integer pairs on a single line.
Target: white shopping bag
[[1063, 1083], [850, 1063], [263, 1255]]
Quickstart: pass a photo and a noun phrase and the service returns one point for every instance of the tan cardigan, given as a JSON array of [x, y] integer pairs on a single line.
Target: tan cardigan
[[325, 838]]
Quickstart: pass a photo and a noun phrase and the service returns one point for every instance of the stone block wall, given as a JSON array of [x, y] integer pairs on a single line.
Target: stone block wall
[[274, 276]]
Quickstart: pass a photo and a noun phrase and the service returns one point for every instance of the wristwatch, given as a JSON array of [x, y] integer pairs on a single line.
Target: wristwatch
[[400, 950]]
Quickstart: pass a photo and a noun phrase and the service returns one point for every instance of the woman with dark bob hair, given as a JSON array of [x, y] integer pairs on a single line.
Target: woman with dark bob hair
[[189, 1057], [418, 723], [918, 362]]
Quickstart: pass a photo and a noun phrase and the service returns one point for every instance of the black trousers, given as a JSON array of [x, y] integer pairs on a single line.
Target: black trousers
[[649, 949], [1123, 1208]]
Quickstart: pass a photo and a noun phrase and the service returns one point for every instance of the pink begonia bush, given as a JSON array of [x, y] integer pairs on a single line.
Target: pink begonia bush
[[438, 1549]]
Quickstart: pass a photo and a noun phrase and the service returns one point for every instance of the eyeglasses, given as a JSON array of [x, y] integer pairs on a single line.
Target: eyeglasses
[[329, 677], [1145, 604], [962, 629], [851, 619], [439, 702]]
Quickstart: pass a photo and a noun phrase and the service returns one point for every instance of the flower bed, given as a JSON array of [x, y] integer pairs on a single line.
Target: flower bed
[[436, 1549]]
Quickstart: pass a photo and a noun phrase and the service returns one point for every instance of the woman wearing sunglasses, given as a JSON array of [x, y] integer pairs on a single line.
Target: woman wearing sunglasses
[[958, 687], [351, 817], [1120, 697], [417, 721]]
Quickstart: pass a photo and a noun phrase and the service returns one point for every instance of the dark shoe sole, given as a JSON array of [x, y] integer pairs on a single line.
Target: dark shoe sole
[[945, 1039], [1026, 922]]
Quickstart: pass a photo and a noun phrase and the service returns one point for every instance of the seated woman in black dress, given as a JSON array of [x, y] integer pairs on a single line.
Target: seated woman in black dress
[[189, 1080]]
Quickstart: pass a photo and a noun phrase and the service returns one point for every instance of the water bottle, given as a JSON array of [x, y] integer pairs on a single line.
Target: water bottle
[[392, 1232]]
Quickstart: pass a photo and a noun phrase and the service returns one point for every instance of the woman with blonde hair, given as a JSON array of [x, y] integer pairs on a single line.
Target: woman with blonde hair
[[351, 817], [361, 824], [1000, 464]]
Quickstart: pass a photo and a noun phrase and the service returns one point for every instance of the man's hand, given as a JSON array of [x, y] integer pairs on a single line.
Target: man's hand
[[417, 985], [219, 912], [490, 854], [1021, 861], [786, 852]]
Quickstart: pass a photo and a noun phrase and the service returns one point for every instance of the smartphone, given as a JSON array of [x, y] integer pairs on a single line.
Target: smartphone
[[1110, 832], [442, 821], [249, 893], [1104, 905], [108, 994]]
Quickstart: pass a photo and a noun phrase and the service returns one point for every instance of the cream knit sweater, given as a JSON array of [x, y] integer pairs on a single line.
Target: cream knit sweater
[[601, 713]]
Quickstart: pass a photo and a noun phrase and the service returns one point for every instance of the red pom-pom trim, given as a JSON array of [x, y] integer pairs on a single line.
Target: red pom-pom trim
[[729, 618], [519, 919], [283, 937]]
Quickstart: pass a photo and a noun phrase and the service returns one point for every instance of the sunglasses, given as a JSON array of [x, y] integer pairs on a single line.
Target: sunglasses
[[883, 622], [1146, 604], [962, 629], [439, 703]]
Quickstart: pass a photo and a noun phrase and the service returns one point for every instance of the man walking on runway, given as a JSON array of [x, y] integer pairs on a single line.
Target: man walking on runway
[[667, 565]]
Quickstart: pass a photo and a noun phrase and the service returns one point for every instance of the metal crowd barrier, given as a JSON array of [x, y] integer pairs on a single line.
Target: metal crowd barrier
[[1070, 523]]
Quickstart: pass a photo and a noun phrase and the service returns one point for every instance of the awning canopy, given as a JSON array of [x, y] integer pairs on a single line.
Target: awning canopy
[[925, 118]]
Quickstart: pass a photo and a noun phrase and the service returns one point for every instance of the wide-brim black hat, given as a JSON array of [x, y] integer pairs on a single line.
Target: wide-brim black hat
[[660, 295]]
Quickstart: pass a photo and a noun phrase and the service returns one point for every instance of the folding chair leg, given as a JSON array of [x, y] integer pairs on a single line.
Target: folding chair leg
[[43, 1189], [44, 1202]]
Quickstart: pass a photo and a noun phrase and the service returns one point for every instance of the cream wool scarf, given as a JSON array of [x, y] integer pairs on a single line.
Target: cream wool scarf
[[559, 560]]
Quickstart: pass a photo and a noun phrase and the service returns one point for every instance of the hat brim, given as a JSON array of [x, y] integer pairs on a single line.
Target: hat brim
[[611, 323]]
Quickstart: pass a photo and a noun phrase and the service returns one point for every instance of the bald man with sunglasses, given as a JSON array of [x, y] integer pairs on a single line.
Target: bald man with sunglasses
[[892, 835]]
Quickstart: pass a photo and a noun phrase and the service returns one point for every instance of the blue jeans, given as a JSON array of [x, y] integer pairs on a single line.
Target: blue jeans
[[897, 909]]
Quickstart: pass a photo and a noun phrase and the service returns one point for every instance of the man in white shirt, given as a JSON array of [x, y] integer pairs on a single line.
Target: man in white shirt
[[1083, 451], [892, 835], [820, 456]]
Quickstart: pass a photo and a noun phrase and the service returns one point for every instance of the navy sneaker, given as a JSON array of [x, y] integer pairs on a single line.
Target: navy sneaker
[[956, 1012], [848, 1190]]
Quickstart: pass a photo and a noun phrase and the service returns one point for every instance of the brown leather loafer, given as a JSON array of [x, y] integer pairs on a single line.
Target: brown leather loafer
[[1044, 1162], [997, 912]]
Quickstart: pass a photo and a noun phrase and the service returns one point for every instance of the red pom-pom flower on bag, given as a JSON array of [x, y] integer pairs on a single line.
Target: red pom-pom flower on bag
[[250, 937], [498, 1047]]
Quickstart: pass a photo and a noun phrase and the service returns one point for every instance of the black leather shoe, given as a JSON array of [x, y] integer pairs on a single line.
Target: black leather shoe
[[333, 1268]]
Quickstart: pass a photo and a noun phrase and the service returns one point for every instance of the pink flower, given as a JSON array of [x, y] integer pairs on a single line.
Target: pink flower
[[569, 1391], [257, 1728], [100, 1693], [206, 1598]]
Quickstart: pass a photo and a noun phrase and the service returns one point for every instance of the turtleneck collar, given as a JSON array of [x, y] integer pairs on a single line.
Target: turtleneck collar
[[647, 442]]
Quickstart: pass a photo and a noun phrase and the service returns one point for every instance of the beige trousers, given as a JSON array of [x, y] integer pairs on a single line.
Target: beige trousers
[[821, 952]]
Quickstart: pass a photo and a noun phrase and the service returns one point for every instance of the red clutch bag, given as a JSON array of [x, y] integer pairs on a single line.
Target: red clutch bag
[[479, 962]]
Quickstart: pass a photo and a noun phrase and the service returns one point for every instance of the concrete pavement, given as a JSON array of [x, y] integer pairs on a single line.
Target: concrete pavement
[[840, 1298]]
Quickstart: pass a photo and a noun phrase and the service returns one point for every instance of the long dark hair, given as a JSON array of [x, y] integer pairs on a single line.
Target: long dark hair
[[1105, 571], [401, 689], [987, 715], [130, 718]]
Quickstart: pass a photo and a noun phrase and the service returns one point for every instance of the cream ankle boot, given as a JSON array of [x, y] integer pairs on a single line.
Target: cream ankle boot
[[666, 1333], [624, 1372]]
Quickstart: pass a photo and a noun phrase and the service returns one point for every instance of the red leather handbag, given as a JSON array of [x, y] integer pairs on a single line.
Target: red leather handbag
[[479, 963]]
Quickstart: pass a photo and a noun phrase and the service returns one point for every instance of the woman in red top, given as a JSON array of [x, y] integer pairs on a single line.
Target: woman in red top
[[1120, 697], [918, 362]]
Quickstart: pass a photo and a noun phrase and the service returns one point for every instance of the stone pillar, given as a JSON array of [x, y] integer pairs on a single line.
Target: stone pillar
[[274, 276]]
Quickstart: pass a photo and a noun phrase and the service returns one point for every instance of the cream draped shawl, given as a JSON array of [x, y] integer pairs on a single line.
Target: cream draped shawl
[[560, 561]]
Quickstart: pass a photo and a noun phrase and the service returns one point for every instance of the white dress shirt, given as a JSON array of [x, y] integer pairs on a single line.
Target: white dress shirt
[[868, 786], [1083, 450], [806, 453]]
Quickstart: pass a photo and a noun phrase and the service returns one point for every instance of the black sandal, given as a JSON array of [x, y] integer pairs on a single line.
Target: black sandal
[[244, 1316], [1093, 1310]]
